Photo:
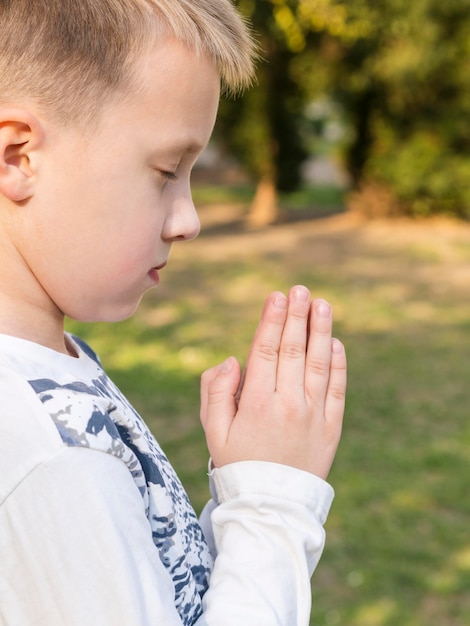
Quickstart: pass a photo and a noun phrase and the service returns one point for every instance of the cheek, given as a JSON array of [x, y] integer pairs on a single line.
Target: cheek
[[132, 246], [140, 234], [135, 215], [127, 223]]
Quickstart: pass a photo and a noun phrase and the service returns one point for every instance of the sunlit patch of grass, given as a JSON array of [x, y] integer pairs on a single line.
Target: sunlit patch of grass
[[322, 196], [375, 613], [213, 194]]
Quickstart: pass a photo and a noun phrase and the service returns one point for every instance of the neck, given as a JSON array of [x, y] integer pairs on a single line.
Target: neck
[[33, 324], [26, 311]]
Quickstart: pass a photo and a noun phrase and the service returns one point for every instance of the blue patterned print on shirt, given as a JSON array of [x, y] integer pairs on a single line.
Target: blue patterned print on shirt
[[96, 415]]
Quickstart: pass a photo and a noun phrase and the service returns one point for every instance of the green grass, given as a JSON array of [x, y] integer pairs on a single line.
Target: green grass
[[398, 545], [211, 194], [311, 196]]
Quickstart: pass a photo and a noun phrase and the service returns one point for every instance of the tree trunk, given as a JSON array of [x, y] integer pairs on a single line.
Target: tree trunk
[[264, 209]]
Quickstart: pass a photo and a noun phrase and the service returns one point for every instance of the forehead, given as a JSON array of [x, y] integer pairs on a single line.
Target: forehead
[[177, 86]]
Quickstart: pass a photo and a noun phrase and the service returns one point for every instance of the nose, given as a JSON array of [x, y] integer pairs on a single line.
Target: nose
[[182, 222]]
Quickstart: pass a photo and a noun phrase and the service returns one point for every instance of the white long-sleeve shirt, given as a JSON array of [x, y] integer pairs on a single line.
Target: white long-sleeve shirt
[[96, 529]]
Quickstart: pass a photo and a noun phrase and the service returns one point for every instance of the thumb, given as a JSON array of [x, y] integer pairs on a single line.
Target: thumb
[[219, 386]]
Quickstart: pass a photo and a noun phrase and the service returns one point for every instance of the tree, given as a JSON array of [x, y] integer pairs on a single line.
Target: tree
[[399, 71], [264, 128], [403, 82]]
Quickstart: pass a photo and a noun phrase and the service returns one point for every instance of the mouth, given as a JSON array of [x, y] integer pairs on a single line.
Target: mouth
[[161, 266], [153, 273]]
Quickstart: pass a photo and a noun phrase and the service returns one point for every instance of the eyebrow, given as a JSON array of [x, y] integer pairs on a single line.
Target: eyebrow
[[192, 147]]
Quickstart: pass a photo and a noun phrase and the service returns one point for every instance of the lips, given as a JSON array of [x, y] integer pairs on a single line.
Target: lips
[[153, 273], [161, 266]]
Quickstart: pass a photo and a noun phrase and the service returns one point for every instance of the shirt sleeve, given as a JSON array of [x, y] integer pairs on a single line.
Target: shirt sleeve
[[268, 533]]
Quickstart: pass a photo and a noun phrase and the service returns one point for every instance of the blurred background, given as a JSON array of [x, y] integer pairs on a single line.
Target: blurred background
[[346, 168]]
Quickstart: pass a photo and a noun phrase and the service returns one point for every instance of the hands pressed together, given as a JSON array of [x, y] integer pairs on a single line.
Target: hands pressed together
[[288, 406]]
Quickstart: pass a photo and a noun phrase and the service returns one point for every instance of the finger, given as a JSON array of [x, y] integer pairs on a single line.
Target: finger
[[219, 386], [261, 367], [240, 387], [291, 367], [336, 391], [206, 380], [318, 358]]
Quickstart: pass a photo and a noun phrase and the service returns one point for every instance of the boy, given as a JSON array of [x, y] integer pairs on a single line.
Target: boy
[[104, 107]]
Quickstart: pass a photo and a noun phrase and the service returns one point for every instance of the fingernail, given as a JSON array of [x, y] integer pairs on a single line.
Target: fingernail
[[322, 309], [226, 366], [301, 294], [336, 346], [280, 302]]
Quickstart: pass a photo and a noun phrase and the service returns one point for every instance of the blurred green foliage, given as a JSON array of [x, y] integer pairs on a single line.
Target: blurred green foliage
[[398, 69], [404, 84]]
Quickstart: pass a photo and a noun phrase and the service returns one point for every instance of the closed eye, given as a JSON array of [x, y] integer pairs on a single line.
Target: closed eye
[[169, 175]]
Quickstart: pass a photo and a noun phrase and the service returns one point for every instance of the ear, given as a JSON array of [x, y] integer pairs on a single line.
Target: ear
[[20, 135]]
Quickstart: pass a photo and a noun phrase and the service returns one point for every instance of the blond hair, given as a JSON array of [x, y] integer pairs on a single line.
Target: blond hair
[[70, 56]]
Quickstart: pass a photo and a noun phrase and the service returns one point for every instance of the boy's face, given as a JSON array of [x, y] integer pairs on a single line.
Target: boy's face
[[109, 204]]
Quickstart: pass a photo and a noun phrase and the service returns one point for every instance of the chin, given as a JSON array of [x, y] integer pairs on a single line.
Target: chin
[[117, 313]]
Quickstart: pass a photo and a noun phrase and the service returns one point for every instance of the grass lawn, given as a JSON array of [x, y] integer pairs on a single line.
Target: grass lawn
[[319, 196], [398, 541]]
